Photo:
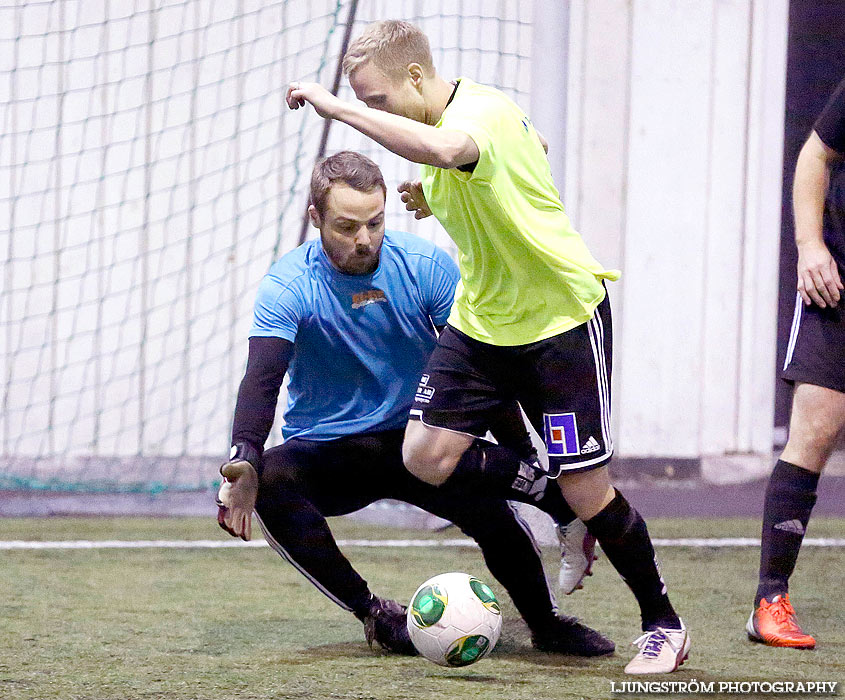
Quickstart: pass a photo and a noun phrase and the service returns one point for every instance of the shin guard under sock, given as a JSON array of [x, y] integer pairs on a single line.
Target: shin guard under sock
[[790, 497], [623, 536]]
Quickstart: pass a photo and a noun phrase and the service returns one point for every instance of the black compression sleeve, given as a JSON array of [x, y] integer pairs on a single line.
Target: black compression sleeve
[[256, 406]]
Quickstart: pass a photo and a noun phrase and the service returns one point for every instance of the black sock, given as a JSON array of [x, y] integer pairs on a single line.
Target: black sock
[[499, 472], [624, 538], [362, 608], [790, 497]]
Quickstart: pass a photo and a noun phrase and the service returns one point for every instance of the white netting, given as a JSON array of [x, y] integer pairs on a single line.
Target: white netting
[[149, 175]]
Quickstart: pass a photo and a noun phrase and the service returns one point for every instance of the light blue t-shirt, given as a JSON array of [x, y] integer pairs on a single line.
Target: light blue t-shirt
[[360, 341]]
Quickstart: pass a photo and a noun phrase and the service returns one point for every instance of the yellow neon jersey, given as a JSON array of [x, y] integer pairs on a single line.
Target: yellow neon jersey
[[526, 274]]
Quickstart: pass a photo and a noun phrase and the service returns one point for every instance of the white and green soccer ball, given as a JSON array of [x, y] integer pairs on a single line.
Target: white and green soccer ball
[[454, 619]]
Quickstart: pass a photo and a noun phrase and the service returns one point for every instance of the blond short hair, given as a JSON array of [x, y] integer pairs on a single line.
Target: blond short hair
[[391, 45]]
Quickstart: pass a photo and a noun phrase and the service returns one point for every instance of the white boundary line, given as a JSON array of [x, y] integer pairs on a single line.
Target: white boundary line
[[694, 542]]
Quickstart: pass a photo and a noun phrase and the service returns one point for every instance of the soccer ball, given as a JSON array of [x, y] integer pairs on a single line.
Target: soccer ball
[[454, 619]]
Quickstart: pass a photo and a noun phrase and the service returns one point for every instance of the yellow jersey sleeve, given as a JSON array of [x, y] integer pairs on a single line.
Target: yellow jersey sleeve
[[526, 274]]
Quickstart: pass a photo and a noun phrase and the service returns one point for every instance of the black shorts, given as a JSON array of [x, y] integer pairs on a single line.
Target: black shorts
[[562, 383], [816, 350]]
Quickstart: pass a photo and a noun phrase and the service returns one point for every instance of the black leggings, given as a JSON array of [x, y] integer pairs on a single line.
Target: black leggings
[[304, 481]]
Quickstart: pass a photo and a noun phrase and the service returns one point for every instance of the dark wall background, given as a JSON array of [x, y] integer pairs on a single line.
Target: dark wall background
[[815, 65]]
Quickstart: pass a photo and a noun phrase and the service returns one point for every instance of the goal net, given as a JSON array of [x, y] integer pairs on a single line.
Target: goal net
[[150, 173]]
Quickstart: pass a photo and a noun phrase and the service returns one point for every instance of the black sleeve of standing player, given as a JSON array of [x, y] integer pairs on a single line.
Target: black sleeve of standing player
[[256, 406], [830, 126]]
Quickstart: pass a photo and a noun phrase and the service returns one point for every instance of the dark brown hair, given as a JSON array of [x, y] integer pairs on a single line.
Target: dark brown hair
[[349, 167]]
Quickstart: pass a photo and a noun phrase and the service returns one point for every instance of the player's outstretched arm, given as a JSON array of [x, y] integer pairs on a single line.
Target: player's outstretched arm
[[411, 192], [420, 143], [267, 364], [818, 276]]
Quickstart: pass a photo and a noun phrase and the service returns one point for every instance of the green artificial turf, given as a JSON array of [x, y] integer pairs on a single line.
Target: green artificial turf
[[242, 623]]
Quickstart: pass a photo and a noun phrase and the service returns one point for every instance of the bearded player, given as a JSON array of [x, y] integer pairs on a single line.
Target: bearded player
[[351, 319]]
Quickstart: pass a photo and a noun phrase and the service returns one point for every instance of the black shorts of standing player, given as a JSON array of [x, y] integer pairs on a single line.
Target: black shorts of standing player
[[304, 481], [816, 350], [562, 383]]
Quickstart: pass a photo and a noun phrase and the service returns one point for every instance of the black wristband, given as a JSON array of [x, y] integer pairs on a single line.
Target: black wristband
[[246, 452]]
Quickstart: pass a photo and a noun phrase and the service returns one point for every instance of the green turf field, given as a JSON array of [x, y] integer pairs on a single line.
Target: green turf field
[[217, 624]]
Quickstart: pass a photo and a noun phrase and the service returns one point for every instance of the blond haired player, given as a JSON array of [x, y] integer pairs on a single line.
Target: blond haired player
[[531, 318]]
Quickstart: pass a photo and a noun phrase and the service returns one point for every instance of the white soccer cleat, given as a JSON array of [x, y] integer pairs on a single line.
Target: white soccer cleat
[[577, 554], [661, 651]]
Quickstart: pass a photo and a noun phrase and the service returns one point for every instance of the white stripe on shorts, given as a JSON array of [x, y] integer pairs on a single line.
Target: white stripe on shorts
[[605, 382], [793, 333], [595, 330]]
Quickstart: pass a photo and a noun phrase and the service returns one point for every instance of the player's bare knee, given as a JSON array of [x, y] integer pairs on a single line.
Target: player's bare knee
[[811, 444], [431, 454], [587, 493], [429, 465], [818, 419], [823, 438]]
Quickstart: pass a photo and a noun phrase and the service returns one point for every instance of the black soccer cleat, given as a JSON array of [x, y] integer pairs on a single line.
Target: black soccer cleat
[[385, 625], [568, 636]]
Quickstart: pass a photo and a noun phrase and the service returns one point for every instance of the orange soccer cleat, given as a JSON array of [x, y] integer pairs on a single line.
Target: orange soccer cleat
[[775, 624]]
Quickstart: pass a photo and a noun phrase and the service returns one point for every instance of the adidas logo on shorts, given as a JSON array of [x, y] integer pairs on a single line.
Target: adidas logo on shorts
[[590, 446]]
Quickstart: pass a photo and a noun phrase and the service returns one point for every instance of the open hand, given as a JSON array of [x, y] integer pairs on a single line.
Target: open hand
[[414, 198]]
